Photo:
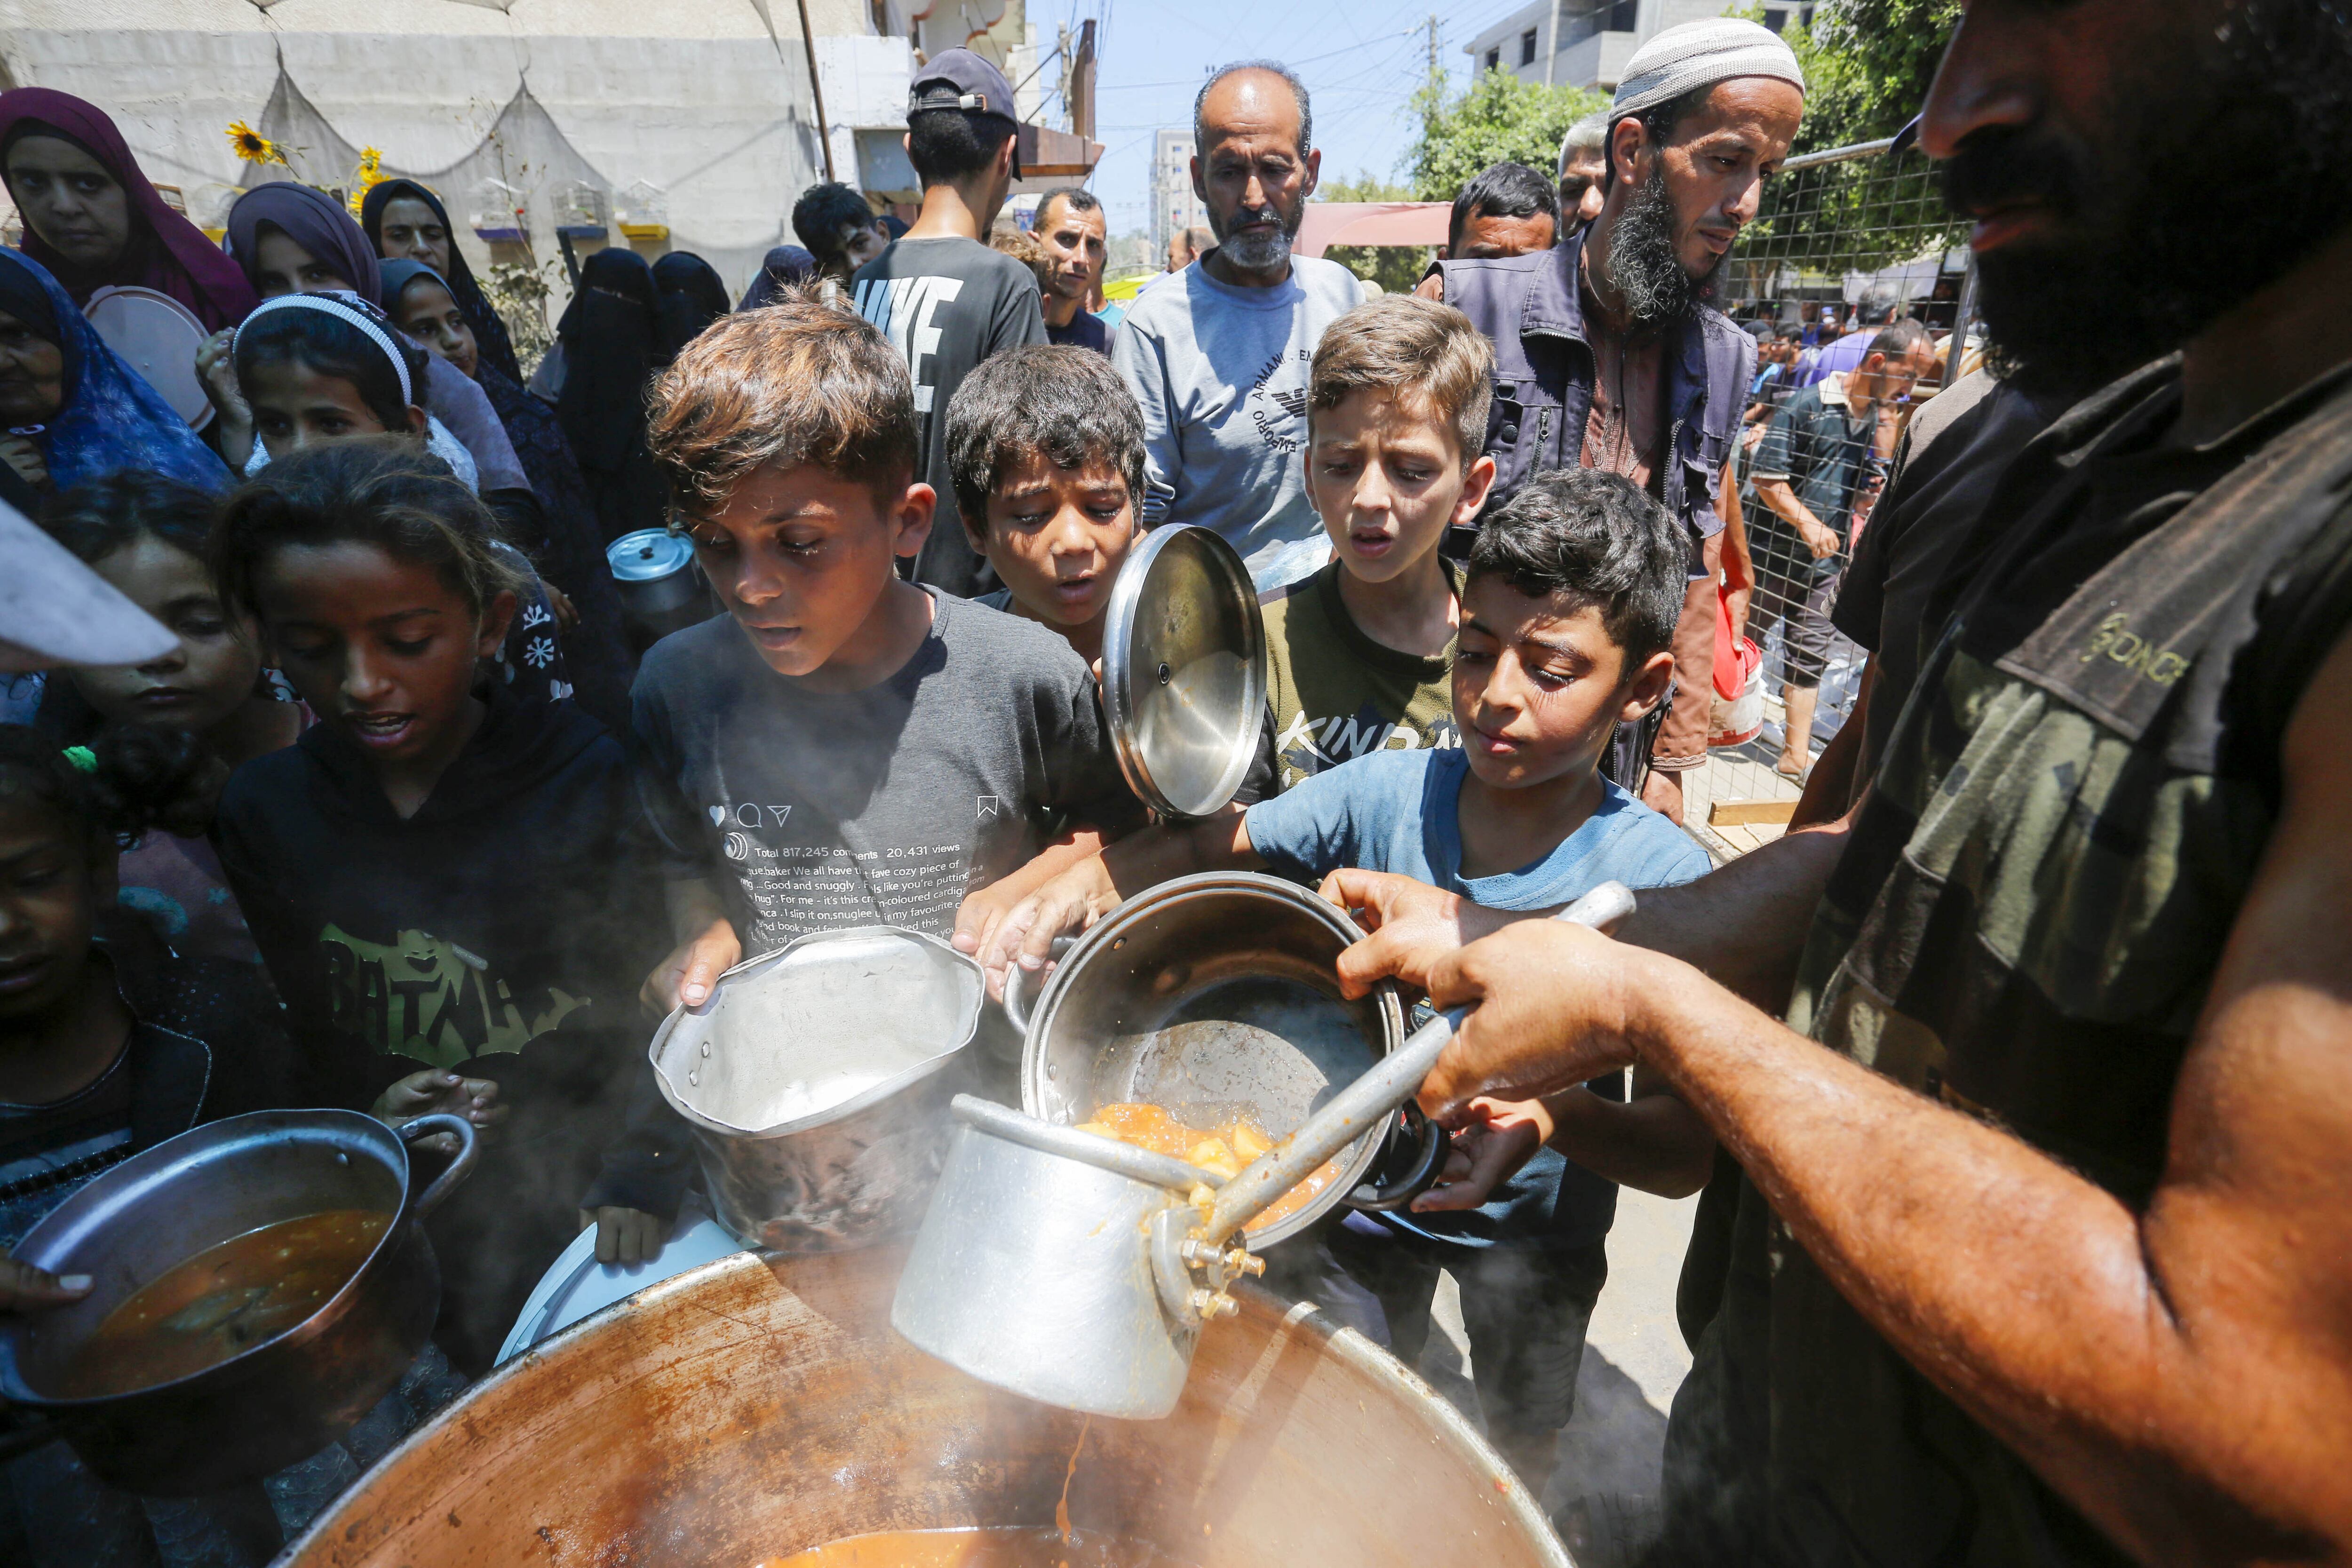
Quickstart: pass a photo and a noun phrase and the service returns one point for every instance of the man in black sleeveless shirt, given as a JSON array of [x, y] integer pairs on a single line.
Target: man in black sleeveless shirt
[[2042, 1250]]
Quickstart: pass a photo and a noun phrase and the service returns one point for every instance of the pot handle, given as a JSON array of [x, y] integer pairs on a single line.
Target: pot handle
[[1393, 1080], [1435, 1145], [1016, 1008], [469, 1148]]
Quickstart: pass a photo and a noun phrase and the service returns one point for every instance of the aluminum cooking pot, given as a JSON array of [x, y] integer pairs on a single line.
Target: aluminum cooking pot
[[761, 1406], [287, 1397], [660, 587], [816, 1079], [1015, 1281], [1211, 997]]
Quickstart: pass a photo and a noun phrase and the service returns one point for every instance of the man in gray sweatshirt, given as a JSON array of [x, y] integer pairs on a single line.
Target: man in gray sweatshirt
[[1218, 354]]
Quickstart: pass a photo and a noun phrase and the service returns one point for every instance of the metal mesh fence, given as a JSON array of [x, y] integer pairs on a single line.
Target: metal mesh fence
[[1847, 243]]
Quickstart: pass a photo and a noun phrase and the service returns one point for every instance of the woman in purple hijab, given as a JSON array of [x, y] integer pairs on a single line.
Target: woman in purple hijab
[[293, 239]]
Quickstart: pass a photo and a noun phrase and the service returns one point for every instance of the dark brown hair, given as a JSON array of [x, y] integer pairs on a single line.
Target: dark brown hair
[[1411, 348], [795, 381], [383, 491]]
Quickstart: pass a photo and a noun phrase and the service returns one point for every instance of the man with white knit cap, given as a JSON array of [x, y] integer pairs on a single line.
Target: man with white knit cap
[[1608, 351]]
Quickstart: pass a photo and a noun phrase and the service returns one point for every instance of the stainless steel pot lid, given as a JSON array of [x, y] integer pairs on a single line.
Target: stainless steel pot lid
[[648, 555], [1184, 671]]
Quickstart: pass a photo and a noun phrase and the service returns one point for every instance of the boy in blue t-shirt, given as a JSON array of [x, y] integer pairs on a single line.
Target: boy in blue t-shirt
[[1569, 610]]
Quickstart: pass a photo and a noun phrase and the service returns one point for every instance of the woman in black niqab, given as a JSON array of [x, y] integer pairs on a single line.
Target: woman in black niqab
[[612, 341], [692, 297]]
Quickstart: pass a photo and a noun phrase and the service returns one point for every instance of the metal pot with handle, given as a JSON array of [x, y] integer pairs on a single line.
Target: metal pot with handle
[[661, 588], [1210, 997], [1215, 998], [816, 1081], [289, 1395], [1077, 1271]]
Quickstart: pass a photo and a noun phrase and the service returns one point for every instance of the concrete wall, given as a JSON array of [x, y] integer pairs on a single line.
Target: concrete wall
[[1595, 60], [703, 98]]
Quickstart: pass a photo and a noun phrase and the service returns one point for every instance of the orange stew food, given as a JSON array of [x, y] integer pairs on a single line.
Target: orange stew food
[[1224, 1149]]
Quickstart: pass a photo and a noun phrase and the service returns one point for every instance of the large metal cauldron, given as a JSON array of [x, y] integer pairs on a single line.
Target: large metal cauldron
[[760, 1405]]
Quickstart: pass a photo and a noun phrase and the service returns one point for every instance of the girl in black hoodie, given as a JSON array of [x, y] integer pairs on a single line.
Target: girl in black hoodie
[[450, 884]]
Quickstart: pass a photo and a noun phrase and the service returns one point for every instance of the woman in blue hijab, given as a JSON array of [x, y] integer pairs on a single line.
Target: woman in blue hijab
[[71, 409]]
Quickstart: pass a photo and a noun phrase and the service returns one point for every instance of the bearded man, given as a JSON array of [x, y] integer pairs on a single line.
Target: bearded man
[[1218, 354], [1608, 349], [2039, 1243]]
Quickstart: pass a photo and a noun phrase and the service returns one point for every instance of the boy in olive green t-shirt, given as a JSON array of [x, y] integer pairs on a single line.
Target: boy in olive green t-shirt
[[1358, 654]]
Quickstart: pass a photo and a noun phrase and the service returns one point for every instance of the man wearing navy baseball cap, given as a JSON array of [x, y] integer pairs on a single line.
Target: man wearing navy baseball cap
[[939, 293]]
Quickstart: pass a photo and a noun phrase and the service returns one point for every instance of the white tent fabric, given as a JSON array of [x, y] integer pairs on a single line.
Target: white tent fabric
[[707, 101]]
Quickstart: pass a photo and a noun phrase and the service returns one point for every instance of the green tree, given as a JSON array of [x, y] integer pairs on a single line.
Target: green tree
[[1868, 65], [1395, 268], [1499, 118]]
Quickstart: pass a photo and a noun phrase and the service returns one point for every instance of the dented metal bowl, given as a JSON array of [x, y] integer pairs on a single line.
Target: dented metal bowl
[[816, 1079]]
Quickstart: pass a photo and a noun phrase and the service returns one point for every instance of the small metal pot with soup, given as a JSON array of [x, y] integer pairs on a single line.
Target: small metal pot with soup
[[258, 1283]]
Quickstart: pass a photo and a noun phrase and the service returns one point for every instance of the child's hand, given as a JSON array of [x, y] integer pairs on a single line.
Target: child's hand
[[25, 1288], [567, 615], [435, 1092], [217, 371], [625, 1235], [693, 967], [1068, 904], [1487, 1152], [979, 918]]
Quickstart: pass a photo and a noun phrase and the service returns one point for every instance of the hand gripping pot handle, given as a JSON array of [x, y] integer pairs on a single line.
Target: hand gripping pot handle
[[469, 1148], [1431, 1146], [1392, 1081], [1016, 1005]]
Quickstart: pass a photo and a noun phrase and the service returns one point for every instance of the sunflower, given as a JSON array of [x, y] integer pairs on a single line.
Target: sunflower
[[368, 175], [252, 146]]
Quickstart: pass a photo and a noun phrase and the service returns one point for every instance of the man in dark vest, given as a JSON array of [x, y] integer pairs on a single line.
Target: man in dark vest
[[1608, 349], [2038, 1245]]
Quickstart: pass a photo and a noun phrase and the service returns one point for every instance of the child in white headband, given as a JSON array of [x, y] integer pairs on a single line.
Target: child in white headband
[[325, 367]]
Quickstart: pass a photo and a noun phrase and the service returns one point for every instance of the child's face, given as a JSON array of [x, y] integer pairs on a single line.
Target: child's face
[[801, 558], [295, 406], [1387, 479], [1058, 535], [48, 905], [381, 648], [429, 315], [1539, 686], [204, 680]]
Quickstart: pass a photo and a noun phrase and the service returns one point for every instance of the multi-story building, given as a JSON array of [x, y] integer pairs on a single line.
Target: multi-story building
[[1175, 206], [1586, 43]]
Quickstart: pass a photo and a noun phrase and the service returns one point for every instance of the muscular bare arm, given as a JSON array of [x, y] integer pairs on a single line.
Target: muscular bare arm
[[1742, 925], [2182, 1374]]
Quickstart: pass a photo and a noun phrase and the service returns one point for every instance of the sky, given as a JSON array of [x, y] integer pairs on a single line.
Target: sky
[[1360, 59]]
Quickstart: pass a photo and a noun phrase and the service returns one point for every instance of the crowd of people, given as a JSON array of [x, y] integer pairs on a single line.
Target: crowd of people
[[2012, 1077]]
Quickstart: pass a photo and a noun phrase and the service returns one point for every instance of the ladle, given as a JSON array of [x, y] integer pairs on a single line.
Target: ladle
[[1077, 1271]]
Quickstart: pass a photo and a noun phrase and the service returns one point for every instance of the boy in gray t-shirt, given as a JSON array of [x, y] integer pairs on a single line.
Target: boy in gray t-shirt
[[844, 748]]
